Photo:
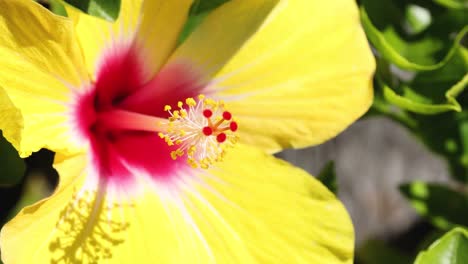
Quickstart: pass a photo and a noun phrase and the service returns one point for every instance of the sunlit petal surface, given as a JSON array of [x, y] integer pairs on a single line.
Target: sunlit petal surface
[[40, 63]]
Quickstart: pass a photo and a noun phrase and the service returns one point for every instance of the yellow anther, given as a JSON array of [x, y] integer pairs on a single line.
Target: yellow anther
[[190, 102], [169, 141], [199, 131], [191, 150], [210, 102], [183, 113], [206, 161], [192, 163]]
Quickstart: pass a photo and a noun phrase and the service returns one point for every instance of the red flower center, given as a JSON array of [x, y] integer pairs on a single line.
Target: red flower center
[[116, 115]]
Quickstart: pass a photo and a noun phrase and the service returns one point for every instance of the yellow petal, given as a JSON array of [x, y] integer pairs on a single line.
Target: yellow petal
[[161, 23], [152, 26], [273, 211], [32, 33], [39, 66], [10, 119], [235, 213], [295, 73], [34, 115]]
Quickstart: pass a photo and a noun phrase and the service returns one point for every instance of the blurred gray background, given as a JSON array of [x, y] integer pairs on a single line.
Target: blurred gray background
[[372, 158]]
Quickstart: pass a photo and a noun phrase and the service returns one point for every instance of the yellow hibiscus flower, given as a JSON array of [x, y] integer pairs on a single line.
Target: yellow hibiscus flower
[[163, 151]]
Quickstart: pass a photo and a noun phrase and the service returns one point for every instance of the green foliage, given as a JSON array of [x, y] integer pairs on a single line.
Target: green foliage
[[456, 4], [443, 206], [12, 166], [422, 73], [421, 82], [439, 63], [452, 248], [377, 252], [106, 9], [418, 55], [431, 92], [328, 177]]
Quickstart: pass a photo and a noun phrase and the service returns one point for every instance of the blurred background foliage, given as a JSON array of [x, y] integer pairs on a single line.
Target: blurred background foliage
[[420, 49], [422, 73]]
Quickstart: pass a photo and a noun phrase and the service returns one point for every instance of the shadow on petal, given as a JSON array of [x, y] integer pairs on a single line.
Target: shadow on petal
[[89, 229]]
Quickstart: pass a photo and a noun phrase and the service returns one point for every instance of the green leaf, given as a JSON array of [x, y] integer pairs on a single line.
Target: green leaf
[[328, 177], [452, 248], [382, 21], [106, 9], [374, 251], [456, 4], [432, 92], [12, 166], [422, 108], [444, 207]]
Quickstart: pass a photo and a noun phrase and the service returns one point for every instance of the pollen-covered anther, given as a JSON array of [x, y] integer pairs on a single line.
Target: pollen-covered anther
[[201, 130]]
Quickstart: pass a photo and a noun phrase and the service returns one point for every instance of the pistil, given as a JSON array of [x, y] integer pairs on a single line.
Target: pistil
[[126, 120]]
